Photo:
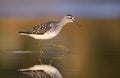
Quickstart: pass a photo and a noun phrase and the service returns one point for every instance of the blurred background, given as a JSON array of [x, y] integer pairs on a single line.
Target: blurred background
[[95, 45]]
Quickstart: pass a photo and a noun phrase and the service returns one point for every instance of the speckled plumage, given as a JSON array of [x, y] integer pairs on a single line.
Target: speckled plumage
[[42, 71], [48, 29], [40, 28], [36, 74]]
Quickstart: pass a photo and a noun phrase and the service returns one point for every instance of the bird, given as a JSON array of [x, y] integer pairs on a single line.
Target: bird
[[42, 71], [47, 30]]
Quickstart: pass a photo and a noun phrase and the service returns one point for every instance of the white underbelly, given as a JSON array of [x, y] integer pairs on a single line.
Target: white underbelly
[[44, 36]]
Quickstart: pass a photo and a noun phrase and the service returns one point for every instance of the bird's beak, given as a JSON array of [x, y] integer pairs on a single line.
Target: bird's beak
[[76, 23]]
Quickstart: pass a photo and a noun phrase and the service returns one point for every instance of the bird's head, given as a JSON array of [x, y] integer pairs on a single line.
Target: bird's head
[[68, 18]]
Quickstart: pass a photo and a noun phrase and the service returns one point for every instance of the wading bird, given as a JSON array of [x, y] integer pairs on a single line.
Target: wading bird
[[48, 30]]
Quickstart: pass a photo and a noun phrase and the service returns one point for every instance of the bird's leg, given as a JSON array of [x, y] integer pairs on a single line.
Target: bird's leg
[[59, 57], [40, 44], [58, 46], [53, 58], [65, 53]]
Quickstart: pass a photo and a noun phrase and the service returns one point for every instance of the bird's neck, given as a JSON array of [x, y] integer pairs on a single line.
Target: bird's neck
[[62, 23]]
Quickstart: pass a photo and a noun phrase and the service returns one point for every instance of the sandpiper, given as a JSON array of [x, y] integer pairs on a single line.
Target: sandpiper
[[48, 30]]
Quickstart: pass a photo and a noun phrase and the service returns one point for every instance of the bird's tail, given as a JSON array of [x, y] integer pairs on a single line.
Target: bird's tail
[[22, 33]]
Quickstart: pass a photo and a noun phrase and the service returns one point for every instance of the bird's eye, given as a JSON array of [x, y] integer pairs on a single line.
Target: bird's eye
[[70, 17]]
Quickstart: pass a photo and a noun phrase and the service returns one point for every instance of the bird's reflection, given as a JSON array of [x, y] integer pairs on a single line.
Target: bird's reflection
[[42, 71]]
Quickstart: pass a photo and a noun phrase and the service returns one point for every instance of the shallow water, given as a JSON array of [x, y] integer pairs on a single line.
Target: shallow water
[[23, 59]]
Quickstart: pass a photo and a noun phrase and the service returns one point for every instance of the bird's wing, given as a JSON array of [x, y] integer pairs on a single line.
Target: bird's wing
[[36, 73], [39, 29]]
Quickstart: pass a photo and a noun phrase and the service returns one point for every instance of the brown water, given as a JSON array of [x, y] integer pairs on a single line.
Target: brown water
[[95, 48]]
